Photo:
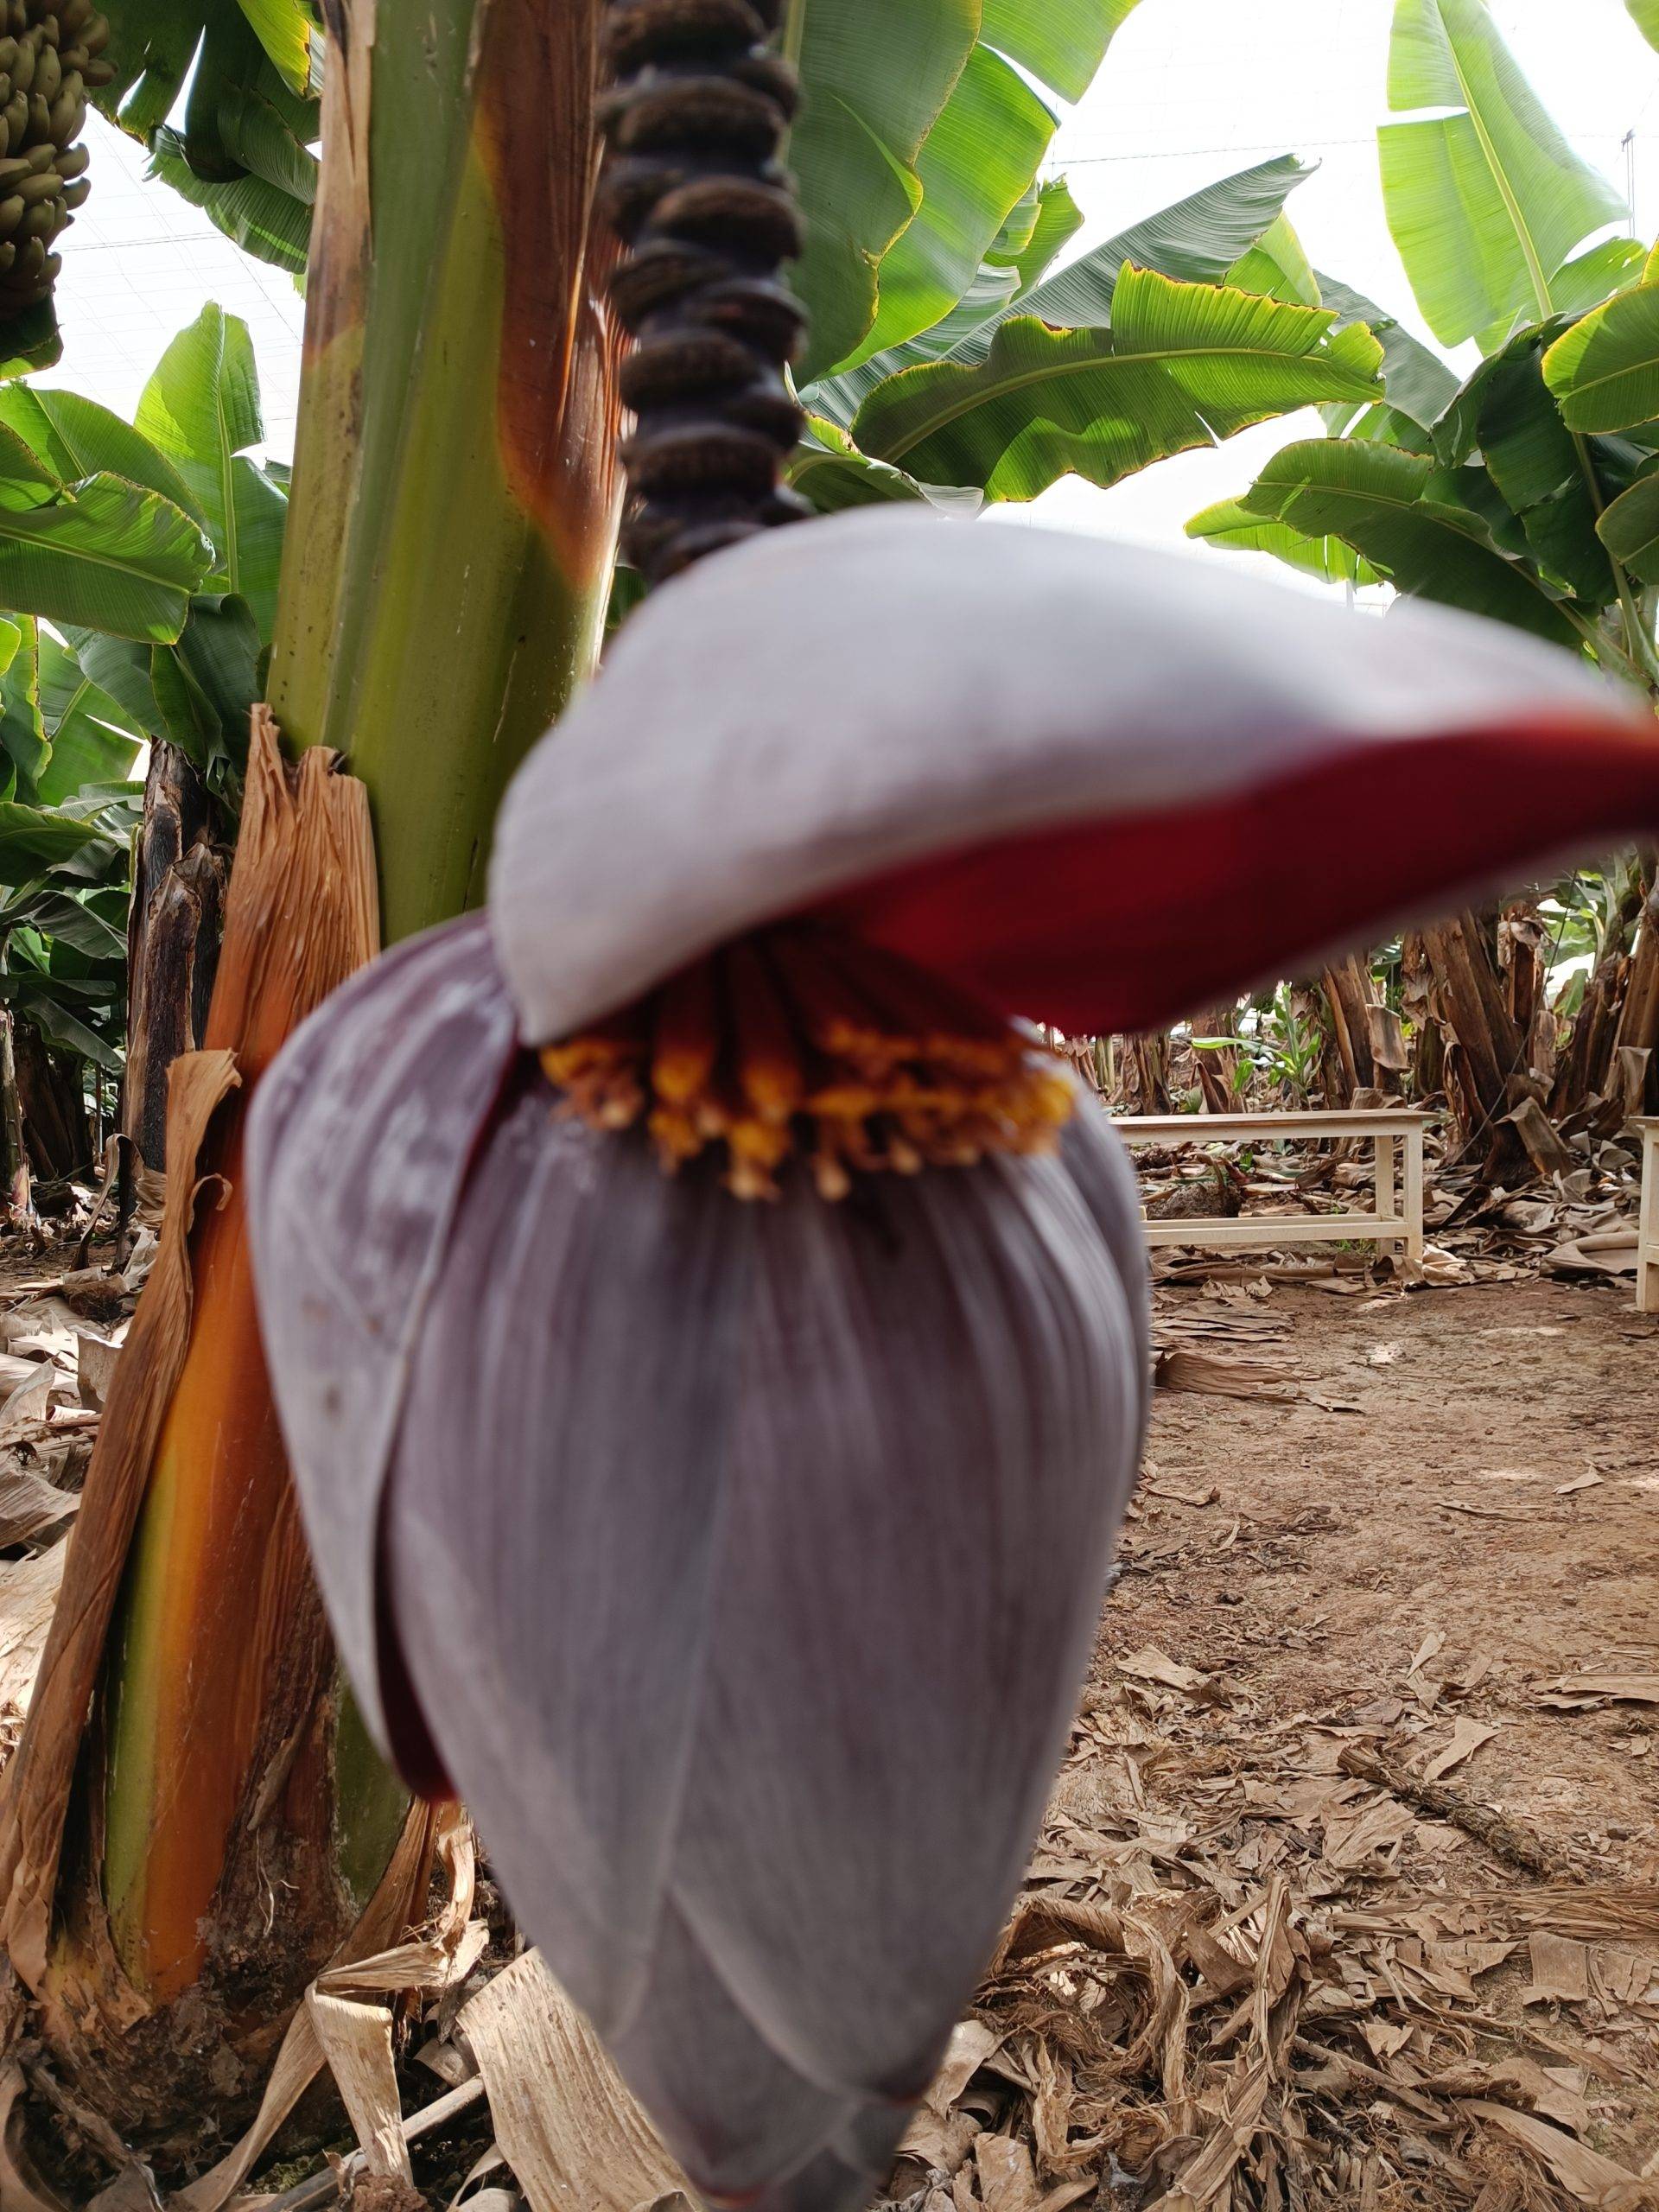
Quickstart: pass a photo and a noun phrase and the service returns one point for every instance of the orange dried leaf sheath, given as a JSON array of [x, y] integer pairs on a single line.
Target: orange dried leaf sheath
[[190, 1407]]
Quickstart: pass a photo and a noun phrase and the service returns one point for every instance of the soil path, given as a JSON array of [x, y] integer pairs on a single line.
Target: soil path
[[1435, 1569], [1444, 1505]]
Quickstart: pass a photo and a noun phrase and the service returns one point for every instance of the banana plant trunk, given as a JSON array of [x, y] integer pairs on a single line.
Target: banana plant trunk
[[449, 550]]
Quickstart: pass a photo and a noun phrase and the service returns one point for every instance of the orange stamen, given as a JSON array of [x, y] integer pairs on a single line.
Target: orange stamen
[[800, 1039]]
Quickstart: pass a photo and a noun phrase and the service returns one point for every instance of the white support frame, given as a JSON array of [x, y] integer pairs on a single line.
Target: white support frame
[[1646, 1231], [1396, 1136]]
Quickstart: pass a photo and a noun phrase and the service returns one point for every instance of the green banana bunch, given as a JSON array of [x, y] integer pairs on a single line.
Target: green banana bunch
[[51, 52]]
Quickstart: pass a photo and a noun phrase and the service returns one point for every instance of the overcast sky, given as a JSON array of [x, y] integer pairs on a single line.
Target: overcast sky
[[1191, 90]]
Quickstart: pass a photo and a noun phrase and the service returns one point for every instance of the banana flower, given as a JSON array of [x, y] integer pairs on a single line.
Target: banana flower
[[711, 1335]]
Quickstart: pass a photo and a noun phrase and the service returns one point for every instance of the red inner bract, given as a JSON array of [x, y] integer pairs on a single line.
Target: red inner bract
[[1128, 923]]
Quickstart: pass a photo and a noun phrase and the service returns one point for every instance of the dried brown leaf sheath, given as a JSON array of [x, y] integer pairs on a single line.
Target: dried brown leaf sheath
[[39, 1778], [299, 917]]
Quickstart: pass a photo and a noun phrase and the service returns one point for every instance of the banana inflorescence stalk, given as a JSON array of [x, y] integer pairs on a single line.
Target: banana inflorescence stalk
[[693, 185]]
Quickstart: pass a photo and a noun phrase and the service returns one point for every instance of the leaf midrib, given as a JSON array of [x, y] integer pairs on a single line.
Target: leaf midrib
[[1160, 356], [1512, 206], [83, 553]]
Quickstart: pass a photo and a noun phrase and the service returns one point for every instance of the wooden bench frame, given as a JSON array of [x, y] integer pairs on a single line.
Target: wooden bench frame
[[1646, 1224], [1397, 1135]]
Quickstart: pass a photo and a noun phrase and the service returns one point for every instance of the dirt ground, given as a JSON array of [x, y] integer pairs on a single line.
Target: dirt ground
[[1348, 1895], [1445, 1505], [1364, 1796]]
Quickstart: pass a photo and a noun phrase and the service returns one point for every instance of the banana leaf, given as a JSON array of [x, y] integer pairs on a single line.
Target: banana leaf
[[42, 1002], [70, 921], [1485, 199], [119, 670], [1604, 371], [1062, 41], [1182, 366], [1197, 239], [1277, 266], [975, 166], [270, 224], [24, 748], [94, 740], [1419, 384], [75, 438], [1644, 13], [1230, 526], [1554, 482], [33, 838], [112, 556], [206, 687], [1035, 232], [878, 80], [1630, 529], [26, 480], [828, 469], [874, 76], [1412, 523], [1594, 276], [200, 408], [154, 44]]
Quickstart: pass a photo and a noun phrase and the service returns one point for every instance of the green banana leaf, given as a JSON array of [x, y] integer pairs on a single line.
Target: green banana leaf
[[1604, 371], [1485, 199], [33, 838], [1197, 239], [112, 556], [1035, 232], [206, 686], [1230, 526], [200, 410], [1182, 366], [1644, 13], [1548, 479], [75, 438], [1595, 276], [1062, 41], [70, 921], [243, 153], [26, 480], [874, 76], [119, 667], [228, 57], [42, 1002], [24, 748], [1277, 266], [271, 224], [154, 44], [1630, 529], [827, 469], [1419, 384], [1029, 249], [271, 137], [284, 29], [975, 166], [881, 80], [1411, 522], [94, 739]]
